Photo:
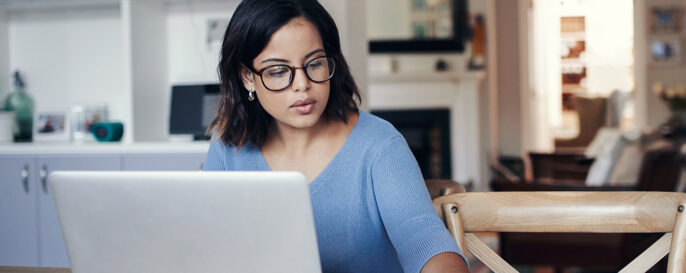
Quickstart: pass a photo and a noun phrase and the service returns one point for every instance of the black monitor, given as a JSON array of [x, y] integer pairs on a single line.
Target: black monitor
[[193, 107]]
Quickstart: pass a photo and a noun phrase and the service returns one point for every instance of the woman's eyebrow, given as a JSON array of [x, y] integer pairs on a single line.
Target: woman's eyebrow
[[275, 60], [286, 61], [313, 52]]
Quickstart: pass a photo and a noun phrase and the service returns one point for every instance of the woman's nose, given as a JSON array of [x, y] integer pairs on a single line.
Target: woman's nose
[[300, 80]]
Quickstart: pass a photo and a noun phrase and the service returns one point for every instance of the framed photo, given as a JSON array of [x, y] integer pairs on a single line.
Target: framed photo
[[51, 126], [83, 117], [666, 20], [665, 51]]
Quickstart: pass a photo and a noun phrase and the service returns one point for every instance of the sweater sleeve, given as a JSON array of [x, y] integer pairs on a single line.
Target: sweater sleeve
[[214, 161], [405, 207]]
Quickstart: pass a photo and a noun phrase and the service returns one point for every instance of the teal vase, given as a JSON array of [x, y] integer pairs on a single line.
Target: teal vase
[[21, 104]]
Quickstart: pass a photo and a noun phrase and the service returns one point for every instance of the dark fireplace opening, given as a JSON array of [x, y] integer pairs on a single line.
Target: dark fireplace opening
[[427, 132]]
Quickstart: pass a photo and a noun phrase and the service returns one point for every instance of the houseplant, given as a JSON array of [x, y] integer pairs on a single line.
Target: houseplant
[[675, 98]]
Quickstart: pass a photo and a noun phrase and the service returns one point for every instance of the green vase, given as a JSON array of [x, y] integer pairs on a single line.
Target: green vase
[[21, 104]]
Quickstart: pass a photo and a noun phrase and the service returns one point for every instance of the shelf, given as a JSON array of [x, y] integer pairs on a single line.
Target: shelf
[[37, 6], [573, 89], [103, 148], [573, 61], [427, 76], [27, 6]]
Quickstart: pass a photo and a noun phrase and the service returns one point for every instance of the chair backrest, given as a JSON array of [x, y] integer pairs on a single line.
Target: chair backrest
[[443, 187], [593, 212]]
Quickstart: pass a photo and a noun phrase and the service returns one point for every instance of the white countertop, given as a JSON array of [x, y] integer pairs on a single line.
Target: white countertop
[[104, 148]]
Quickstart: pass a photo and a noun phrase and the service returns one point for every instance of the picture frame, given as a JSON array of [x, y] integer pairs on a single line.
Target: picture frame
[[665, 51], [666, 19], [51, 126], [454, 44], [83, 117]]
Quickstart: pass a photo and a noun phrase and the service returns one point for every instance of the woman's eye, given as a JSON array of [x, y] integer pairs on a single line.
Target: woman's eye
[[277, 72], [315, 64]]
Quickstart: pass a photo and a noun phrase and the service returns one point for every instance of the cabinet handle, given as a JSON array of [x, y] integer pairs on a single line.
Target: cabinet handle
[[25, 178], [44, 178]]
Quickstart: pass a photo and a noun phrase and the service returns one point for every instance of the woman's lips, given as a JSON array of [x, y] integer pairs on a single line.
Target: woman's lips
[[303, 106]]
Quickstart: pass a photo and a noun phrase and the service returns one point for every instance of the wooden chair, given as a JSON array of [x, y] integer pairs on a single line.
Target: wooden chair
[[443, 187], [592, 212]]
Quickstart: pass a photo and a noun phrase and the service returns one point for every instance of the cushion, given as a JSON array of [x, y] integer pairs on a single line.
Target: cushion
[[604, 163], [628, 167]]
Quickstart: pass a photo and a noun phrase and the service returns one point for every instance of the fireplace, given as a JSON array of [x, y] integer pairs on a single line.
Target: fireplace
[[427, 132]]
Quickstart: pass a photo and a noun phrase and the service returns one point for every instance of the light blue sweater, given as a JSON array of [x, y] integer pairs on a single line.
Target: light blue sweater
[[371, 208]]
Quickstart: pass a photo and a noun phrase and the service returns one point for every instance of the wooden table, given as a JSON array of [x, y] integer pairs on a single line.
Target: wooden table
[[17, 269]]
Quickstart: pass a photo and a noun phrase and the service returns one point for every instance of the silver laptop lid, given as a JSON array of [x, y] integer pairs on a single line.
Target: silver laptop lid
[[151, 222]]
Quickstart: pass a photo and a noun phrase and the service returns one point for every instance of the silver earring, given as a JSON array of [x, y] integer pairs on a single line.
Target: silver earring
[[251, 95]]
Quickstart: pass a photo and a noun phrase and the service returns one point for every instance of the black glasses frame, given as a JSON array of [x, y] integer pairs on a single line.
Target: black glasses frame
[[293, 68]]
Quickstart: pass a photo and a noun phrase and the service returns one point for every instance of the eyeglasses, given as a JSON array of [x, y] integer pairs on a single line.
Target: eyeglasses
[[280, 76]]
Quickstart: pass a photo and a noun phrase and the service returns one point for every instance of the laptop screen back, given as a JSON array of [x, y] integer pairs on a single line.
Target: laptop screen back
[[186, 221]]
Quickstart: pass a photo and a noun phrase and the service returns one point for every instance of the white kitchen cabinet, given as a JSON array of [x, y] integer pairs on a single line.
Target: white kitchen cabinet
[[52, 249], [18, 211], [30, 233], [163, 162]]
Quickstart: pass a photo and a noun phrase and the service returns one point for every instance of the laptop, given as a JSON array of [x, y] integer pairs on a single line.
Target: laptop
[[152, 222]]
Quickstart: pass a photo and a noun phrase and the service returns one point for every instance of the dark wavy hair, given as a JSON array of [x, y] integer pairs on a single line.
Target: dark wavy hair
[[240, 121]]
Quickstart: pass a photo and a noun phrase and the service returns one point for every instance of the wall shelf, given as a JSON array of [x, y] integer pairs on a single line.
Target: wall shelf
[[427, 76]]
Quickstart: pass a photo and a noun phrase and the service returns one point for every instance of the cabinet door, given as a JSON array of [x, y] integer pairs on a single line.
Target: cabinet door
[[53, 252], [163, 162], [18, 206]]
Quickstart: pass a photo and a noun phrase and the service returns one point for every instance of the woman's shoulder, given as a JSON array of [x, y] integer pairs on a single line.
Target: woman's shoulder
[[375, 128], [372, 135], [230, 156]]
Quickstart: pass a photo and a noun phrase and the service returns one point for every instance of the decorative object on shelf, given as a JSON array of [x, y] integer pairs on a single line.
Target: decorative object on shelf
[[477, 60], [665, 51], [21, 104], [442, 65], [51, 126], [675, 98], [108, 131], [665, 20], [6, 126], [83, 117]]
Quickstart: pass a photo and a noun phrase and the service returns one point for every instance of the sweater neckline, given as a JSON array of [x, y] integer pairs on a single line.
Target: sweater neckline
[[346, 143]]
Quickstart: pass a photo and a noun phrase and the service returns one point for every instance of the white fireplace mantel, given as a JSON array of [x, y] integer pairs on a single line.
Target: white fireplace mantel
[[456, 91]]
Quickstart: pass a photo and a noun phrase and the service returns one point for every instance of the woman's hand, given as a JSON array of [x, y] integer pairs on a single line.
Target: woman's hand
[[446, 262]]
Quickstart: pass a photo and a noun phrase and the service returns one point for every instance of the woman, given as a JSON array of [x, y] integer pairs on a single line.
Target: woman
[[288, 103]]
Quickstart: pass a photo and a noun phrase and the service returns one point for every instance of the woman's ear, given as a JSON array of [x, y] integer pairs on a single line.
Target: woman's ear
[[248, 79]]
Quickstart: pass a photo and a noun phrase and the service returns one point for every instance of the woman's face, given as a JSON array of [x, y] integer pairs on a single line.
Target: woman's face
[[302, 103]]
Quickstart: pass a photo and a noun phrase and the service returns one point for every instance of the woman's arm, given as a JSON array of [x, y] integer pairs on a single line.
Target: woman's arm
[[405, 207], [446, 262]]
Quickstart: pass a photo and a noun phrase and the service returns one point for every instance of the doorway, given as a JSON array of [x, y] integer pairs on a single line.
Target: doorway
[[577, 48]]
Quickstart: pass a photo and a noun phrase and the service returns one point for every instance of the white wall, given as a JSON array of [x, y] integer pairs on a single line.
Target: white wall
[[192, 59], [69, 58], [146, 50], [4, 57], [650, 110], [510, 126], [351, 21]]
